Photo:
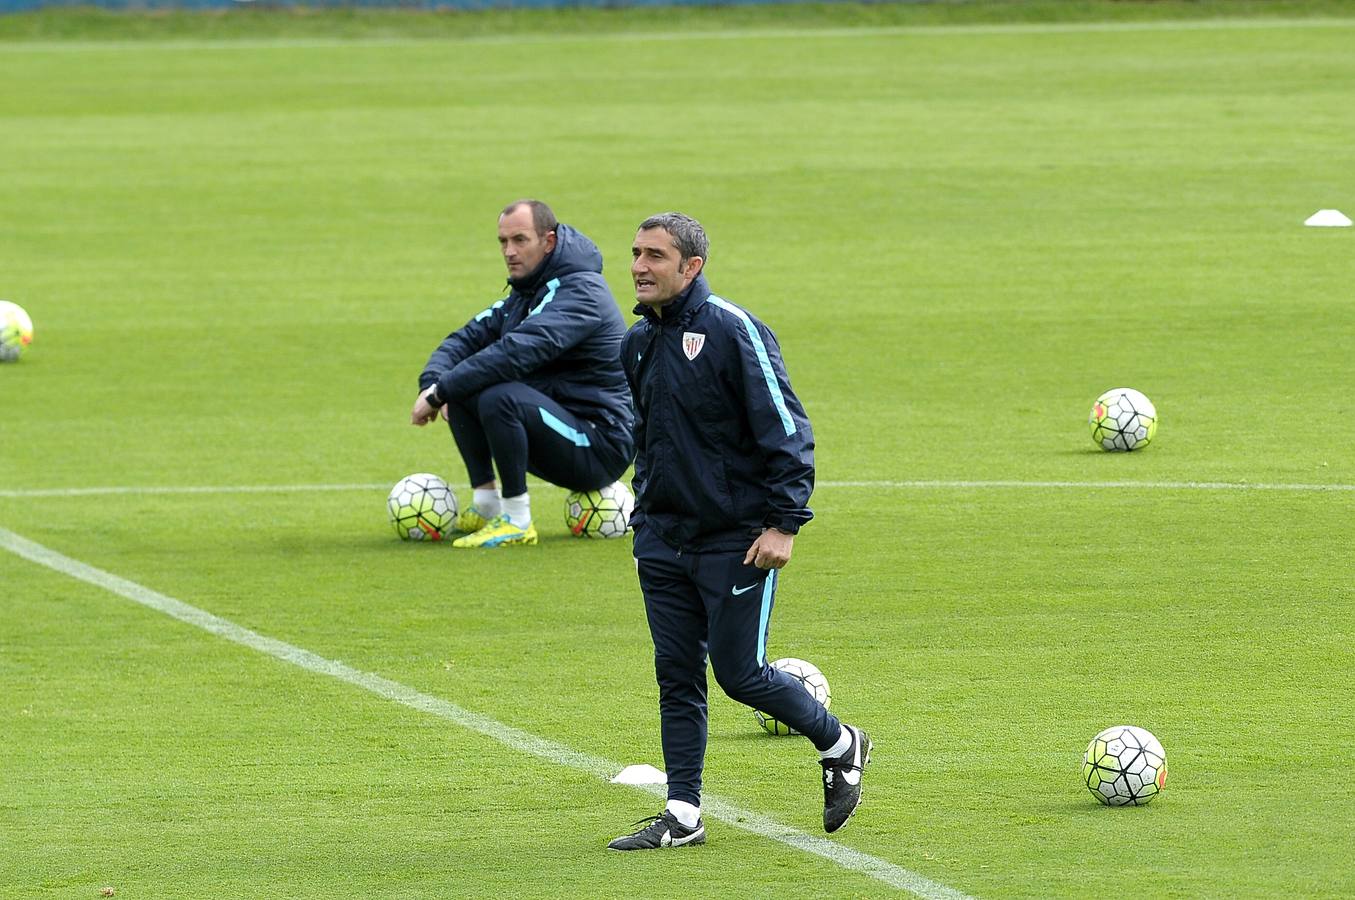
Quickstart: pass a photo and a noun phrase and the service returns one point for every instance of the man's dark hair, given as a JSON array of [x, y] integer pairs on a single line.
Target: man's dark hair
[[543, 220], [688, 235]]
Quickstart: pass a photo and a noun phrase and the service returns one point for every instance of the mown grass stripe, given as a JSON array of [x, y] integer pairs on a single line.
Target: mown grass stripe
[[1092, 485], [917, 484], [152, 44]]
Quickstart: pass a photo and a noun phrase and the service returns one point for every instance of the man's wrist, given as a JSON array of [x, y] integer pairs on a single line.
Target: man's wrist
[[432, 398]]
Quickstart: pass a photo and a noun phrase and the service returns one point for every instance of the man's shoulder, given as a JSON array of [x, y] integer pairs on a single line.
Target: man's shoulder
[[718, 312], [720, 309], [585, 287], [583, 277]]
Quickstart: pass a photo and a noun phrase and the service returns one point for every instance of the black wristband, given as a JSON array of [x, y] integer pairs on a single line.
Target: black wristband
[[432, 398]]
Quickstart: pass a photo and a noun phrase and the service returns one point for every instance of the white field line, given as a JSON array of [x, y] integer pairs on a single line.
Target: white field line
[[924, 484], [1031, 28], [513, 738], [191, 489]]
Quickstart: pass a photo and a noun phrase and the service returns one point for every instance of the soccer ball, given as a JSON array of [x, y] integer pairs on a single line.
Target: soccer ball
[[1123, 419], [16, 331], [813, 681], [1125, 766], [422, 507], [604, 513]]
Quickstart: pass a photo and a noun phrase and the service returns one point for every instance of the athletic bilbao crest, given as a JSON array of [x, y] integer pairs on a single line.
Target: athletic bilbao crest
[[692, 343]]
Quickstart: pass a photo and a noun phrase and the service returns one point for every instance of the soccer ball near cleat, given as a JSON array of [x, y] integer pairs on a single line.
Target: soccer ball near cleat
[[1123, 419], [813, 681], [1125, 766], [422, 507], [16, 331], [604, 513]]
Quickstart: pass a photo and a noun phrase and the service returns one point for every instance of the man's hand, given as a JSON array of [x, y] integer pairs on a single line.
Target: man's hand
[[771, 550], [423, 412]]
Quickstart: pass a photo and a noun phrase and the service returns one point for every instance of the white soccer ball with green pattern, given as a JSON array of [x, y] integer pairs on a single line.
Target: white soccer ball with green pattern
[[16, 331], [422, 507], [604, 513], [810, 678], [1123, 419], [1125, 766]]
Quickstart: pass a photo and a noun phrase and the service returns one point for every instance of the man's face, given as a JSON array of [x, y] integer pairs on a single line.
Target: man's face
[[656, 267], [522, 248]]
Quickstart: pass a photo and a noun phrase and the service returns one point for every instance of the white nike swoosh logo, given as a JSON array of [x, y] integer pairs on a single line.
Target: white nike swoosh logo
[[739, 590], [851, 776]]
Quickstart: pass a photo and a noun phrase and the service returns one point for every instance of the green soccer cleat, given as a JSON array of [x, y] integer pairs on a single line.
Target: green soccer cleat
[[470, 521], [498, 532]]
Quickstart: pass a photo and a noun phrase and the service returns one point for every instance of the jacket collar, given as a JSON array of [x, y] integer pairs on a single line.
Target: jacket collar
[[527, 284], [680, 308]]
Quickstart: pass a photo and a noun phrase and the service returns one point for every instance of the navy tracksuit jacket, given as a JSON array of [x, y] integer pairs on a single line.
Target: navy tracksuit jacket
[[724, 451], [535, 377]]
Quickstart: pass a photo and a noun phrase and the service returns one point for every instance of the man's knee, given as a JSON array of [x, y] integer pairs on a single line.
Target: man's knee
[[497, 402], [743, 684], [673, 670]]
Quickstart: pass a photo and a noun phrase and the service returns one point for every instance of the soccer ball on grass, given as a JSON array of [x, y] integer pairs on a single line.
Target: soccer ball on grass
[[16, 331], [810, 678], [1123, 419], [422, 507], [1125, 766], [604, 513]]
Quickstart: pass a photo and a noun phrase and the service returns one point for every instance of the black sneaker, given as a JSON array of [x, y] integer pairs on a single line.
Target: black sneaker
[[842, 780], [662, 831]]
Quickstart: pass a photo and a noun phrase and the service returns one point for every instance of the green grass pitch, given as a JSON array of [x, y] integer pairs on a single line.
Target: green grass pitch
[[238, 253]]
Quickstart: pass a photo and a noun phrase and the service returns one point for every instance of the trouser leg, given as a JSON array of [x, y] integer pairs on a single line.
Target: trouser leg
[[738, 600], [677, 623], [471, 441], [523, 430]]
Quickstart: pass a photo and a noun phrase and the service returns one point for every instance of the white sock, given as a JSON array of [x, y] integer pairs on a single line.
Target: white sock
[[518, 510], [684, 812], [844, 743], [487, 502]]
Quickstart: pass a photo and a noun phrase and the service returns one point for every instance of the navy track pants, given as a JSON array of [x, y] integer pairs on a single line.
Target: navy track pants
[[699, 603], [519, 429]]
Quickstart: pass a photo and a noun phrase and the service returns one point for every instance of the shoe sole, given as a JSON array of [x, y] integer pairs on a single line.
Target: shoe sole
[[492, 544], [692, 841]]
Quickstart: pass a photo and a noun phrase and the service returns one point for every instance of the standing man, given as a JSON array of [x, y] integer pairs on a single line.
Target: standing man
[[722, 482], [533, 383]]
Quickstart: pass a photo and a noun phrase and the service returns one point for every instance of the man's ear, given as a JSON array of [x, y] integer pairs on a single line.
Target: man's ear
[[550, 241], [694, 266]]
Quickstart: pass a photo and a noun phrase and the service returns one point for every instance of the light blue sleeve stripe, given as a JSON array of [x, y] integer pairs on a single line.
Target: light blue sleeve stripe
[[489, 312], [578, 438], [768, 589], [763, 361], [550, 295]]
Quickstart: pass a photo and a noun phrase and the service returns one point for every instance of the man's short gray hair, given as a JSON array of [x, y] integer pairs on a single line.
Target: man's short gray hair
[[543, 219], [688, 235]]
